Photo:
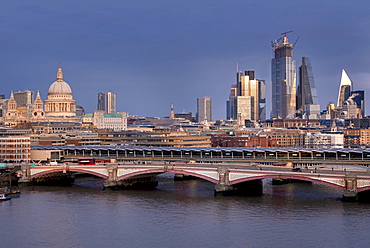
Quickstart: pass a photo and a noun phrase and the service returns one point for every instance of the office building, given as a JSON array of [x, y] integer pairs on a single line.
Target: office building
[[283, 77], [247, 99], [345, 89], [307, 100], [230, 109], [107, 102], [101, 101], [103, 120], [261, 100], [204, 109], [185, 115], [16, 149], [244, 109], [24, 101], [359, 97], [23, 97]]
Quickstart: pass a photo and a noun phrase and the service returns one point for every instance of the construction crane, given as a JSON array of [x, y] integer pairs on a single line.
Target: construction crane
[[286, 33], [296, 42]]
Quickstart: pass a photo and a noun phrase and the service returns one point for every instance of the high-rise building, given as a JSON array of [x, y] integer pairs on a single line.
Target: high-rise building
[[359, 97], [345, 88], [23, 97], [230, 109], [107, 102], [283, 77], [247, 100], [261, 100], [307, 100], [204, 109], [101, 101], [244, 109]]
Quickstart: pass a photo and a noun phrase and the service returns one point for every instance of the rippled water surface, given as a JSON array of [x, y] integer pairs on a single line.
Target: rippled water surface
[[182, 214]]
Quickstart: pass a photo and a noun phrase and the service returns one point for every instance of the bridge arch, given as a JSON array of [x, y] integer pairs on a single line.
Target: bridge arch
[[69, 170], [302, 178], [160, 171], [362, 189]]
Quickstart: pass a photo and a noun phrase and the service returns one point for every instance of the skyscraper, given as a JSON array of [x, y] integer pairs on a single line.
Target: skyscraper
[[204, 109], [283, 77], [307, 100], [261, 100], [359, 97], [230, 109], [247, 99], [101, 101], [345, 88], [107, 102]]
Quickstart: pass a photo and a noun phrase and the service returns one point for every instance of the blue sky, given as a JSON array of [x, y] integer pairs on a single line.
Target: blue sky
[[154, 53]]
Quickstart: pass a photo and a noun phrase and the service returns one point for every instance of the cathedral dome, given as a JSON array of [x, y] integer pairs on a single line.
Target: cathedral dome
[[60, 103], [60, 86]]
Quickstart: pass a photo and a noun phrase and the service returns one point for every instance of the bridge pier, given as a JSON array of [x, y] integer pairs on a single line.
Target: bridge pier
[[26, 174], [350, 194], [112, 181], [223, 185], [136, 182], [249, 188]]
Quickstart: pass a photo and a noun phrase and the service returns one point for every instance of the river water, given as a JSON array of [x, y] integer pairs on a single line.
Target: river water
[[182, 214]]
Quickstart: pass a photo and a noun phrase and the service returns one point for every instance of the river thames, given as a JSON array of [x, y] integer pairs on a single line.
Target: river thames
[[182, 214]]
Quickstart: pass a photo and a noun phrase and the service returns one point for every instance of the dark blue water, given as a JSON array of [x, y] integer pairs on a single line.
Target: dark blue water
[[182, 214]]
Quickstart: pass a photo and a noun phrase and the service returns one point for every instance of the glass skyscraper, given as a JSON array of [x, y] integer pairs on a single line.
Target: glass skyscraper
[[307, 100], [247, 99], [107, 102], [345, 88], [283, 77]]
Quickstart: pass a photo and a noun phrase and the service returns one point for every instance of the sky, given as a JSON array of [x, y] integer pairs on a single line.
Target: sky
[[152, 54]]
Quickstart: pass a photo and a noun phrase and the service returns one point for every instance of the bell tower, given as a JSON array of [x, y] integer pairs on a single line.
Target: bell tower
[[38, 107]]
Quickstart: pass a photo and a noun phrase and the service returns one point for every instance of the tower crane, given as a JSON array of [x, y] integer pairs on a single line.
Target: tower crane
[[286, 33]]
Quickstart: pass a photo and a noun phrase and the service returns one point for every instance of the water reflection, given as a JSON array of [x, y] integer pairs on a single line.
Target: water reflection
[[182, 214]]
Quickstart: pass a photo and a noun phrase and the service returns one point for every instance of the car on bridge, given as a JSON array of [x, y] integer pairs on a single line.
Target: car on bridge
[[297, 169]]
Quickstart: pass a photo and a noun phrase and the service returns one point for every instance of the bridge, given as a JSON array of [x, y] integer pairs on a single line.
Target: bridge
[[300, 157], [227, 177]]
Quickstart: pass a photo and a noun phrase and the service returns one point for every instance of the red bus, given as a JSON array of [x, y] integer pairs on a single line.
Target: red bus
[[87, 161]]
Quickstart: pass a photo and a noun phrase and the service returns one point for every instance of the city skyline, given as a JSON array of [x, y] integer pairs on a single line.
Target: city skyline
[[154, 54]]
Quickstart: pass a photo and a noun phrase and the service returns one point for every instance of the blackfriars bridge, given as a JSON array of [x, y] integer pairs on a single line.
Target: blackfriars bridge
[[300, 157], [226, 176]]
